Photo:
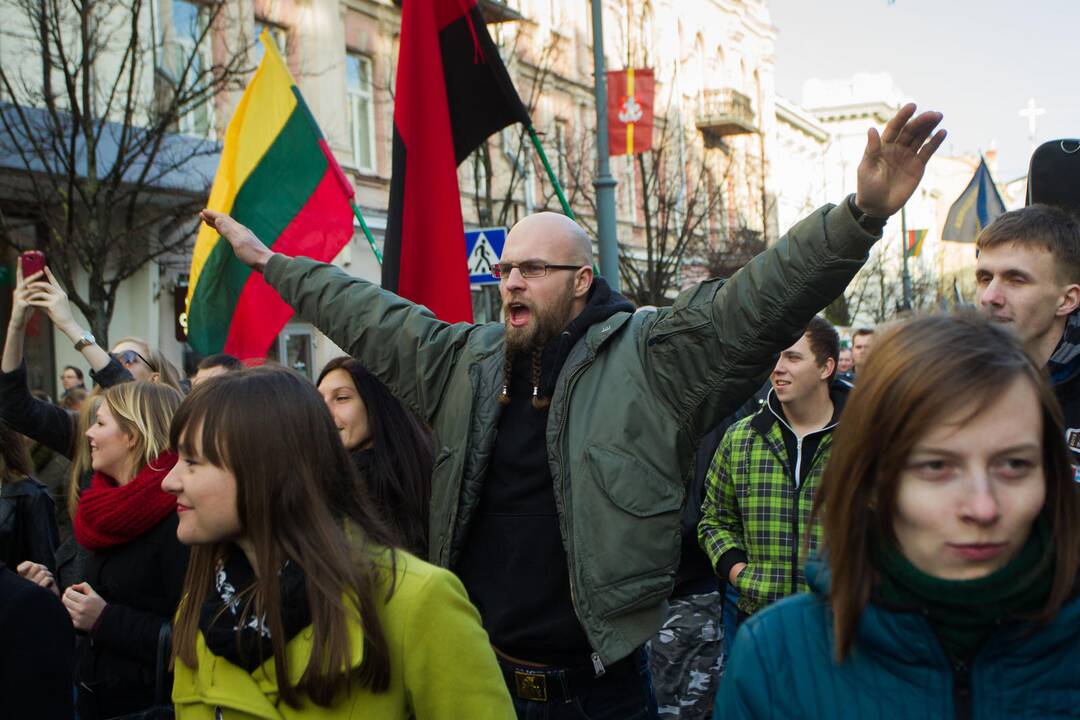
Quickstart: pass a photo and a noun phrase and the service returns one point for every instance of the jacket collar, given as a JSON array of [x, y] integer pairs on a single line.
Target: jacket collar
[[21, 488], [771, 412], [1064, 363], [907, 635]]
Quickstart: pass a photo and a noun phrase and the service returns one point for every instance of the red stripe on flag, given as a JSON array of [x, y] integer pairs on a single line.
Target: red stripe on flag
[[433, 265], [319, 231]]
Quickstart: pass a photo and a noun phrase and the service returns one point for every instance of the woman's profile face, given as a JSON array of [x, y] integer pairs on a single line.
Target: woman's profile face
[[110, 446], [347, 408], [972, 487], [205, 497]]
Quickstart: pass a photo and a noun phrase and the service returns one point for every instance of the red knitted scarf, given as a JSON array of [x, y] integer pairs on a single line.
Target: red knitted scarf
[[111, 514]]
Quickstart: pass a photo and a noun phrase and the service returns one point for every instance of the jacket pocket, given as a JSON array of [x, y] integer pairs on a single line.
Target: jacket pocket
[[633, 486], [627, 522]]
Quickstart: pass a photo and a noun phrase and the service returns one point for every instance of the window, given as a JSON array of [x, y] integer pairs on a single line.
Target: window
[[361, 109], [295, 349], [185, 29], [277, 33]]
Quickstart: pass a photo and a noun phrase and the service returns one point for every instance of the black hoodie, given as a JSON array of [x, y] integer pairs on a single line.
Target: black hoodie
[[513, 562]]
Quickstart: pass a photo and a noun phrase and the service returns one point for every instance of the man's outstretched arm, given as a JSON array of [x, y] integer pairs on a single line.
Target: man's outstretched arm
[[402, 343], [713, 349]]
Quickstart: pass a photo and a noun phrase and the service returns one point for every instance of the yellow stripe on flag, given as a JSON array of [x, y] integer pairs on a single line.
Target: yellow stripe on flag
[[630, 126], [264, 108]]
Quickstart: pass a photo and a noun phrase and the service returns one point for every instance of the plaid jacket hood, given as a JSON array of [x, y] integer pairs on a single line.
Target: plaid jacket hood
[[755, 512]]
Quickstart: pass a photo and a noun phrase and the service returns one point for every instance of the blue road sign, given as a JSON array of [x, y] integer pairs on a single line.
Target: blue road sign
[[483, 248]]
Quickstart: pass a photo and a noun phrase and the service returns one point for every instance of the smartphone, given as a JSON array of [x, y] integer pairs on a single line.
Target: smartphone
[[32, 261]]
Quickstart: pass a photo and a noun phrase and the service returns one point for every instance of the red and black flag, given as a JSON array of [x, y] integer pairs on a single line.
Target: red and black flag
[[452, 93]]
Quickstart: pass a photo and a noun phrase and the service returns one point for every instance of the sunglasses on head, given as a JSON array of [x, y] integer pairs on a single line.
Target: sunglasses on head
[[128, 357]]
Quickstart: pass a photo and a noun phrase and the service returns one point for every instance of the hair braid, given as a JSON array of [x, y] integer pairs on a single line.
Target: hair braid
[[538, 401], [508, 364]]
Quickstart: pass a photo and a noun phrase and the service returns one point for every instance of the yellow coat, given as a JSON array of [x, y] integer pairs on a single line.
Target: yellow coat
[[442, 666]]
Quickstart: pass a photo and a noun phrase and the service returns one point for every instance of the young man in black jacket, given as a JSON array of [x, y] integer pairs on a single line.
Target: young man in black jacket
[[1028, 276]]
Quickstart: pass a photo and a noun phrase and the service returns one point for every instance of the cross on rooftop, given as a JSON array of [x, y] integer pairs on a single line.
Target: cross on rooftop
[[1031, 112]]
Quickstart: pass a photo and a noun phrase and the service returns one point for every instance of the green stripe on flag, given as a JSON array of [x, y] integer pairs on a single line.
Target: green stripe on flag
[[277, 189]]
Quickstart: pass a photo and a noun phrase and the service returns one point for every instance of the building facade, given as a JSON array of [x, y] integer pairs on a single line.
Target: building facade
[[724, 137]]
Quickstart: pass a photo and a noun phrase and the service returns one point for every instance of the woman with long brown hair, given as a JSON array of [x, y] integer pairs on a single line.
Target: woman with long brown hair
[[952, 539], [295, 604]]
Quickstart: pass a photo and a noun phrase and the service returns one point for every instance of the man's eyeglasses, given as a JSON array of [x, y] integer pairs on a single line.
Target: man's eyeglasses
[[529, 268], [128, 358]]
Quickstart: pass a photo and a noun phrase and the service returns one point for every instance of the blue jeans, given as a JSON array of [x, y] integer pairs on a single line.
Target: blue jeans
[[626, 698]]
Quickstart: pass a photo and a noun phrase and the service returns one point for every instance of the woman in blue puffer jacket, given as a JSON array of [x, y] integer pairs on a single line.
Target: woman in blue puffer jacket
[[952, 539]]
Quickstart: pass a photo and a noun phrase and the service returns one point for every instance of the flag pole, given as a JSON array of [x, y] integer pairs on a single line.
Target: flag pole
[[603, 181], [906, 277], [550, 173], [366, 229]]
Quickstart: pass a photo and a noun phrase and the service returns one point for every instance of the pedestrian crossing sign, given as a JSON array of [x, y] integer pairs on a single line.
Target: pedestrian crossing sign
[[483, 248]]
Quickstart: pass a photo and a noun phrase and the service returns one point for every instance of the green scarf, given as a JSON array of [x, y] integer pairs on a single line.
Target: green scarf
[[964, 612]]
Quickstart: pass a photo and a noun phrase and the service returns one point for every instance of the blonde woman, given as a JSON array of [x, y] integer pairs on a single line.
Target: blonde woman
[[135, 565]]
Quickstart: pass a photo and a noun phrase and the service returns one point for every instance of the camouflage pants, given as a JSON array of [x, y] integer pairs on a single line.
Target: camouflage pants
[[686, 658]]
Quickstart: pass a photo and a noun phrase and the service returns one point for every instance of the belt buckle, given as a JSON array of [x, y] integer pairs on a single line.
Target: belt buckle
[[531, 686]]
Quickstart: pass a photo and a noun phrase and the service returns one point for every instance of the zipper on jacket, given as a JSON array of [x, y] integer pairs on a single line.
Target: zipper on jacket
[[569, 539], [798, 463], [962, 690]]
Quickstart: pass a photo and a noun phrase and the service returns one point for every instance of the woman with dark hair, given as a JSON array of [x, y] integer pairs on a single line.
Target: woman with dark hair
[[295, 603], [951, 541], [389, 447], [28, 531]]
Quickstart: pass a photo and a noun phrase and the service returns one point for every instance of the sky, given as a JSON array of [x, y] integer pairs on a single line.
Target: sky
[[977, 61]]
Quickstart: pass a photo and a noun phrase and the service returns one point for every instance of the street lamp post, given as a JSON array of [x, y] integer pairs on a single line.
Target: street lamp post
[[604, 182]]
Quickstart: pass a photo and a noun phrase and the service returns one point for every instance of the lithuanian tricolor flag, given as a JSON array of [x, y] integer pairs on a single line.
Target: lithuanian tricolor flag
[[278, 177], [914, 242]]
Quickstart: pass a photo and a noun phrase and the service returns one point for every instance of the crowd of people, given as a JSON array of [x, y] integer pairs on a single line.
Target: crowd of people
[[713, 509]]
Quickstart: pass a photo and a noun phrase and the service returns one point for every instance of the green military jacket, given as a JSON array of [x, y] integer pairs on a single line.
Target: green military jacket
[[629, 405]]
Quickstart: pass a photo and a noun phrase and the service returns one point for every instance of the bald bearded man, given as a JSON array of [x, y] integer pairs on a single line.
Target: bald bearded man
[[565, 434]]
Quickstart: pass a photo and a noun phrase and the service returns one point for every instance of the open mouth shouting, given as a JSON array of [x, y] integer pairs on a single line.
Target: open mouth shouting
[[518, 314]]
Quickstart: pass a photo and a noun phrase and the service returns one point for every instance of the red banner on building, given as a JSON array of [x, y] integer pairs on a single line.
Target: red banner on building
[[630, 95]]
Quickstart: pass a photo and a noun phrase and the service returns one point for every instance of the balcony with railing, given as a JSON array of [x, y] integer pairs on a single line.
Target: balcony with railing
[[724, 112]]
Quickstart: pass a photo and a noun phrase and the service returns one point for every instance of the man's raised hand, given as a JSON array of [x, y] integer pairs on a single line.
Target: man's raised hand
[[894, 161], [248, 248]]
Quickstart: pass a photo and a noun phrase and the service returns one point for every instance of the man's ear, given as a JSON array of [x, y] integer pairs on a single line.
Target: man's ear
[[1070, 300], [827, 369], [583, 281]]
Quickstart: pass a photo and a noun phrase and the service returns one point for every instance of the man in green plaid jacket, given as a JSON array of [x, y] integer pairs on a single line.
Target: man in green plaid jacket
[[760, 487]]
